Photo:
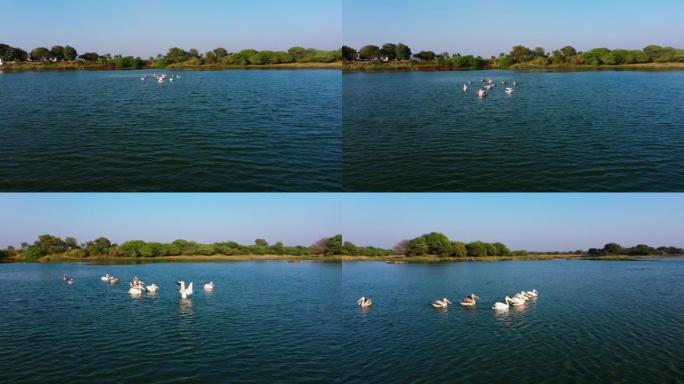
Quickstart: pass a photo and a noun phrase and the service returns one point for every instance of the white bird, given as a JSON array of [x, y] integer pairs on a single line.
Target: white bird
[[515, 83], [465, 87], [517, 301], [469, 301], [481, 93], [444, 303], [364, 302], [533, 293], [209, 286], [106, 277], [113, 280], [135, 290], [152, 288], [509, 90], [499, 306], [142, 78], [185, 292]]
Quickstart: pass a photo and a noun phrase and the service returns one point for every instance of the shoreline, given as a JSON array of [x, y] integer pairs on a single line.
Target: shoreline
[[55, 67], [335, 259], [351, 67]]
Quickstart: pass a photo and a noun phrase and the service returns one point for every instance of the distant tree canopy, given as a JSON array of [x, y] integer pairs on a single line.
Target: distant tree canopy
[[519, 55], [438, 244], [638, 250]]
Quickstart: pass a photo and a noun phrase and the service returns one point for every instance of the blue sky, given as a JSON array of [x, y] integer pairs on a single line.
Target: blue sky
[[529, 221], [135, 27], [489, 27]]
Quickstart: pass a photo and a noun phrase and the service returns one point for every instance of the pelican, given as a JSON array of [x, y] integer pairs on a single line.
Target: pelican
[[65, 277], [509, 90], [209, 286], [503, 82], [113, 280], [135, 290], [533, 293], [517, 301], [105, 277], [185, 292], [481, 93], [364, 302], [488, 87], [499, 306], [470, 300], [465, 87], [515, 83], [444, 303], [142, 78], [171, 80], [152, 288]]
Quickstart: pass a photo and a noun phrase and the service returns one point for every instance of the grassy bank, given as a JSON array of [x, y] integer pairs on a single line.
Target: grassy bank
[[400, 66], [82, 66]]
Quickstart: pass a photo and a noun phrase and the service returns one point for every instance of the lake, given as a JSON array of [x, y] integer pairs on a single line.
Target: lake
[[264, 321], [594, 321], [272, 321], [241, 130], [570, 131]]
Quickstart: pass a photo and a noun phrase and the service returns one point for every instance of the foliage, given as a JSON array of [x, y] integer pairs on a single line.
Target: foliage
[[369, 52]]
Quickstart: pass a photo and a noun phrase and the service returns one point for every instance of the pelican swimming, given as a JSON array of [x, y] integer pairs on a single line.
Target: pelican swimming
[[113, 280], [142, 78], [444, 303], [509, 90], [518, 300], [185, 292], [533, 293], [209, 286], [465, 87], [481, 93], [499, 306], [469, 301], [105, 277], [135, 290], [364, 302], [515, 83], [152, 288]]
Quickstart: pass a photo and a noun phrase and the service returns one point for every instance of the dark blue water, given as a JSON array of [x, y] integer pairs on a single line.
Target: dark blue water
[[594, 321], [264, 322], [579, 131], [208, 131]]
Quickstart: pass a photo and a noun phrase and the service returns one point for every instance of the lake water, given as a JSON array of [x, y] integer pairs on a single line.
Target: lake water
[[594, 321], [577, 131], [265, 321], [618, 322], [251, 130]]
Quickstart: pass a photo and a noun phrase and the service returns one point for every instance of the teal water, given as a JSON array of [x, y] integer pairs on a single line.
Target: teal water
[[594, 321], [576, 131], [250, 130], [264, 322]]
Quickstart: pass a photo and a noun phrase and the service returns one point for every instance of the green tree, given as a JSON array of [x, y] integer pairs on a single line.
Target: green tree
[[502, 249], [520, 54], [369, 52], [220, 53], [70, 242], [613, 249], [32, 253], [417, 247], [49, 244], [389, 51], [177, 55], [261, 243], [425, 55], [349, 248], [402, 52], [349, 53], [459, 249], [90, 56], [437, 244], [57, 52], [131, 248], [69, 53], [40, 54], [476, 249], [334, 246], [401, 248]]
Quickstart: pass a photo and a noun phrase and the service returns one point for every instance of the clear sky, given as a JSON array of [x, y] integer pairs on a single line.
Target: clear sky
[[489, 27], [523, 221], [148, 27]]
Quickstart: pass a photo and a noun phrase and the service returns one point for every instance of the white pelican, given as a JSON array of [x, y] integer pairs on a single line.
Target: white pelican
[[209, 286], [135, 290], [142, 78], [152, 288], [514, 83], [517, 301], [364, 302], [533, 293], [444, 303], [185, 292], [105, 277], [469, 301], [509, 90], [465, 87], [499, 306], [481, 93], [113, 280]]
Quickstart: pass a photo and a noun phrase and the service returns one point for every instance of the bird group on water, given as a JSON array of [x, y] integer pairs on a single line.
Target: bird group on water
[[161, 78], [137, 287], [519, 299], [488, 85]]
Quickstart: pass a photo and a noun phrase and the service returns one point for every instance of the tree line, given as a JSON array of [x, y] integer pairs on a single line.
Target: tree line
[[174, 56], [519, 55], [616, 249], [438, 244]]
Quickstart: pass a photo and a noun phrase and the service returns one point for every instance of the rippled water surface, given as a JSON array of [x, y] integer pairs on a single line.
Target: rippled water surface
[[208, 131], [581, 131], [595, 321], [265, 322]]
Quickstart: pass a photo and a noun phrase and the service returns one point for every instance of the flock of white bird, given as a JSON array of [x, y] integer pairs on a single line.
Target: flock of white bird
[[519, 299], [161, 77], [488, 85], [136, 287]]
